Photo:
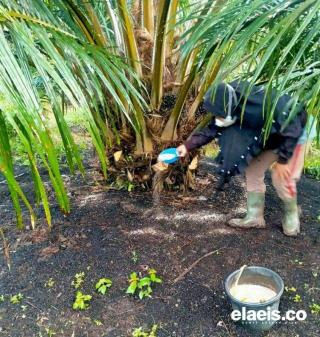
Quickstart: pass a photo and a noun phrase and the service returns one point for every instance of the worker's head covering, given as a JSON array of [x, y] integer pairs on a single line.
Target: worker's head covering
[[238, 99], [221, 101]]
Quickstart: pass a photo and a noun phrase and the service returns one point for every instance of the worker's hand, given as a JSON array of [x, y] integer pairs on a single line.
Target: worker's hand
[[282, 171], [182, 150]]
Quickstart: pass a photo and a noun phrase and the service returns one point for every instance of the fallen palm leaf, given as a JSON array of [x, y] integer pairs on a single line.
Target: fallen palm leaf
[[194, 164], [130, 176], [117, 156]]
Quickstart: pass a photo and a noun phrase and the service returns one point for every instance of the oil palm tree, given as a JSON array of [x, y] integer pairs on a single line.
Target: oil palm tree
[[119, 60]]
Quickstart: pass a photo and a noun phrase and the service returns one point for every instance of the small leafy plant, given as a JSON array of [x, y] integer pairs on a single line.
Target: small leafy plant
[[315, 308], [97, 322], [296, 261], [134, 256], [124, 184], [81, 301], [297, 298], [78, 280], [133, 283], [23, 307], [142, 286], [16, 299], [290, 290], [140, 333], [50, 283], [2, 298], [50, 332], [103, 285], [153, 276]]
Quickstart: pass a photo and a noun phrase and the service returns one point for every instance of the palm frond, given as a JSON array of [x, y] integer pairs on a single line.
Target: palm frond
[[277, 38], [33, 40]]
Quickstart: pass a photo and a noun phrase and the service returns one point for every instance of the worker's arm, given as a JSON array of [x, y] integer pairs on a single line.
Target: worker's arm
[[202, 136], [290, 135]]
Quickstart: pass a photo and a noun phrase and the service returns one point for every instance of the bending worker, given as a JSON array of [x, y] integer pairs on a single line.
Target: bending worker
[[249, 144]]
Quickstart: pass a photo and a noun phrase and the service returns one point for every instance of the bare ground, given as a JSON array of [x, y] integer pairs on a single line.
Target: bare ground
[[107, 227]]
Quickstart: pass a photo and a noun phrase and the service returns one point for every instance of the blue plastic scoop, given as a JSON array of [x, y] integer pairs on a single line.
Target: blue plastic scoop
[[168, 156]]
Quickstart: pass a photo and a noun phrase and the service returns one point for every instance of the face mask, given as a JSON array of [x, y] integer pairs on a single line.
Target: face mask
[[225, 122]]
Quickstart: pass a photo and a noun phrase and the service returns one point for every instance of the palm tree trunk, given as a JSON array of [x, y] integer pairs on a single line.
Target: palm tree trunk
[[148, 16], [171, 24], [99, 34], [186, 64], [143, 140], [170, 131], [129, 38], [203, 89], [159, 54]]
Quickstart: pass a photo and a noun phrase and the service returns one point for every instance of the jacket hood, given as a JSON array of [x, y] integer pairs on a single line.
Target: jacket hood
[[217, 101]]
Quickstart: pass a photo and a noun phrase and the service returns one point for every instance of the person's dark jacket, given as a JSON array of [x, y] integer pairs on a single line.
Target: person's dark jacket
[[244, 140]]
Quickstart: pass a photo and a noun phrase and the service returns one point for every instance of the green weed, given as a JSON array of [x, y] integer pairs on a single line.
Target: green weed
[[300, 263], [103, 285], [312, 162], [50, 283], [16, 299], [142, 286], [123, 184], [315, 308], [138, 332], [297, 298], [291, 289], [134, 256], [78, 280], [50, 332], [97, 322], [81, 301]]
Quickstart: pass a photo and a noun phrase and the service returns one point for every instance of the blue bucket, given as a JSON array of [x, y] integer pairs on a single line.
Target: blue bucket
[[258, 276], [169, 156]]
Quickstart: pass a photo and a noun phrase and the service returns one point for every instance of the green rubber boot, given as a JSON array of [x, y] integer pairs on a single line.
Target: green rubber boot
[[255, 210], [290, 221]]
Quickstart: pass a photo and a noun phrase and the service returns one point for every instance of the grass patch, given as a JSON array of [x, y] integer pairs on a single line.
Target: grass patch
[[75, 119], [312, 162], [211, 150]]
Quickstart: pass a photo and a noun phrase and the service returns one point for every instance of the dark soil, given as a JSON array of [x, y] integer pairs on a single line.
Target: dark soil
[[104, 230]]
